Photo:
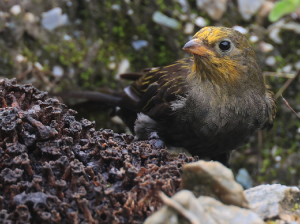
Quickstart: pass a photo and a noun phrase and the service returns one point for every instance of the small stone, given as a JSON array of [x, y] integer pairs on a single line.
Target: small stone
[[215, 9], [112, 65], [244, 178], [130, 12], [271, 61], [38, 66], [183, 17], [15, 10], [274, 35], [248, 8], [241, 29], [54, 18], [164, 20], [188, 28], [297, 65], [278, 158], [67, 37], [253, 39], [57, 71], [20, 58], [287, 68], [200, 21], [116, 7], [265, 47], [138, 44], [29, 17]]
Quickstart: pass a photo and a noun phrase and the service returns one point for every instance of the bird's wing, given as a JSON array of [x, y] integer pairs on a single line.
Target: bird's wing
[[157, 89]]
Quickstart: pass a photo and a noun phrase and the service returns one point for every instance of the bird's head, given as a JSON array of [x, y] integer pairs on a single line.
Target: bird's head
[[222, 55]]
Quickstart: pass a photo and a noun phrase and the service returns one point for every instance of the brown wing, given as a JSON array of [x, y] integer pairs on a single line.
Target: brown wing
[[156, 90]]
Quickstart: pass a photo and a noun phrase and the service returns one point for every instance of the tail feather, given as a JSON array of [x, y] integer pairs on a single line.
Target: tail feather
[[109, 100]]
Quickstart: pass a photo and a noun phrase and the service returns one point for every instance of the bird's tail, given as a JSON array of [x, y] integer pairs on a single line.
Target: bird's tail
[[107, 99]]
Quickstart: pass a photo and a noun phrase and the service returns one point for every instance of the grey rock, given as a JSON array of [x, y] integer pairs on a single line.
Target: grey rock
[[54, 18], [138, 44], [164, 20], [248, 8], [215, 9], [275, 201]]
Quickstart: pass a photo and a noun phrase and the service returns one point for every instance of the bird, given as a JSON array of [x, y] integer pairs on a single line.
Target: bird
[[209, 104]]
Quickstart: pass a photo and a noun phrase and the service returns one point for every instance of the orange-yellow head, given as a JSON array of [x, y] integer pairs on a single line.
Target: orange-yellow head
[[223, 56]]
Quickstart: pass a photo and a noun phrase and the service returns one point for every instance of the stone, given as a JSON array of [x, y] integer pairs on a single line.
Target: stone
[[200, 21], [184, 208], [123, 67], [57, 71], [54, 18], [271, 61], [138, 44], [189, 28], [241, 29], [215, 9], [275, 201], [244, 178], [164, 20], [215, 180], [248, 8], [15, 10]]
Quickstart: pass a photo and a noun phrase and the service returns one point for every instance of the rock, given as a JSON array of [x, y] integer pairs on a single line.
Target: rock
[[244, 178], [123, 67], [271, 61], [164, 20], [29, 17], [185, 208], [200, 21], [241, 29], [188, 28], [253, 39], [54, 18], [57, 71], [138, 44], [265, 47], [287, 68], [15, 10], [248, 8], [215, 180], [215, 9], [275, 201]]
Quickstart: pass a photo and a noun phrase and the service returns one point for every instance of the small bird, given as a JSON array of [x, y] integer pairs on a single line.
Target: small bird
[[209, 104]]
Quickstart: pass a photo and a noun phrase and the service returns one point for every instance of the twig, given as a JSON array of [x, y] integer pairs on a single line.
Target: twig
[[288, 75], [285, 85], [178, 208], [290, 107]]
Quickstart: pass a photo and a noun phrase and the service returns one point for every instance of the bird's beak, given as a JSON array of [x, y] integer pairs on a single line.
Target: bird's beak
[[195, 46]]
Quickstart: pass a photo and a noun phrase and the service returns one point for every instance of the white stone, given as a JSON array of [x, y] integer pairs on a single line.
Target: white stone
[[54, 18], [265, 47], [57, 71], [112, 65], [38, 66], [116, 7], [15, 10], [248, 8], [253, 39], [278, 158], [164, 20], [138, 44], [123, 67], [287, 68], [188, 28], [67, 37], [20, 58], [29, 17], [215, 9], [241, 29], [271, 61], [200, 21], [297, 65], [130, 12]]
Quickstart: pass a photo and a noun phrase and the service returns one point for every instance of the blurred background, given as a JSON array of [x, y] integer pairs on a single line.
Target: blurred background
[[60, 45]]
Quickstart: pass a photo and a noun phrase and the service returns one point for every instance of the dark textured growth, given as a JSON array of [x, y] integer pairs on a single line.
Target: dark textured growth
[[55, 169]]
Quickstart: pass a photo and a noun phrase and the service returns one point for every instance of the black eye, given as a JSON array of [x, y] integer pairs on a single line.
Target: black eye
[[224, 45]]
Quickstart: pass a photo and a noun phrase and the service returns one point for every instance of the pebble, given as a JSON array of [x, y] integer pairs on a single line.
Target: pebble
[[244, 178], [29, 17], [112, 65], [200, 21], [123, 67], [188, 28], [253, 39], [215, 9], [164, 20], [15, 10], [241, 29], [297, 65], [265, 47], [130, 12], [271, 61], [248, 8], [57, 71], [138, 44], [38, 66], [116, 7], [287, 68], [20, 58], [54, 18]]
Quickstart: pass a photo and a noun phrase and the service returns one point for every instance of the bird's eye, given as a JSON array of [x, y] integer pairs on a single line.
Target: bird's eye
[[224, 45]]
